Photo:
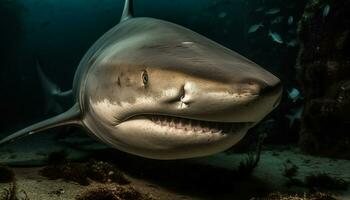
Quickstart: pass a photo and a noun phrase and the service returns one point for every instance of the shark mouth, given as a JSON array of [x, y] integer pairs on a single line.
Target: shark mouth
[[193, 125]]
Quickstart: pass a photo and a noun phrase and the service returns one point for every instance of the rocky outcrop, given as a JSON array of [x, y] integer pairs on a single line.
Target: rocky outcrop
[[323, 69]]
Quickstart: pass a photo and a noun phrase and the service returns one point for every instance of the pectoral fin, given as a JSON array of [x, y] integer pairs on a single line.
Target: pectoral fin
[[70, 117]]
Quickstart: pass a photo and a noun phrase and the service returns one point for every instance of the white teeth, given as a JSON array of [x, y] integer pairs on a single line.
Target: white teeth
[[172, 124], [193, 126]]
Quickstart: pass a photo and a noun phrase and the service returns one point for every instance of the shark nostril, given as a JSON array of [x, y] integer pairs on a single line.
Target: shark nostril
[[182, 93], [182, 97]]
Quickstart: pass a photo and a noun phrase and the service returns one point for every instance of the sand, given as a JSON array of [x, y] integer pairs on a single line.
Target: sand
[[267, 177]]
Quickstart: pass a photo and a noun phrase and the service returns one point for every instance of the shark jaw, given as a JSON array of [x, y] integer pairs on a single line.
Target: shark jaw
[[170, 137], [187, 126]]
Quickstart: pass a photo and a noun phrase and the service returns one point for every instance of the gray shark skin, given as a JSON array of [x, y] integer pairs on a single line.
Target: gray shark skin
[[158, 90]]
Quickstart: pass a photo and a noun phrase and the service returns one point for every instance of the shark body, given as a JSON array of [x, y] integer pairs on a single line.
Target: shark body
[[158, 90]]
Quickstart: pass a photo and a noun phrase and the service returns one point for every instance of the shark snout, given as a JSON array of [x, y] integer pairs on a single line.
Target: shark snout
[[273, 91], [243, 101]]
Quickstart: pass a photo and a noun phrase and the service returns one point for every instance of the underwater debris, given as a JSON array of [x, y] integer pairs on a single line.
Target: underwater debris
[[6, 174], [279, 196], [81, 172], [324, 182], [113, 192]]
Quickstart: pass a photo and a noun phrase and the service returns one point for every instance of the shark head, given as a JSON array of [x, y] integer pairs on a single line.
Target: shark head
[[167, 92], [159, 90]]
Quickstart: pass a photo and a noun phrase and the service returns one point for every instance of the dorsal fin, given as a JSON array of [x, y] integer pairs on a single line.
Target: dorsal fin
[[128, 11]]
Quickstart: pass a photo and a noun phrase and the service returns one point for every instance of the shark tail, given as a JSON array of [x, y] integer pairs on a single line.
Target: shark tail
[[53, 94], [70, 117]]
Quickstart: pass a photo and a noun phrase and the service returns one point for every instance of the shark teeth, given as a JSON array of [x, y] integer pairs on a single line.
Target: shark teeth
[[192, 125]]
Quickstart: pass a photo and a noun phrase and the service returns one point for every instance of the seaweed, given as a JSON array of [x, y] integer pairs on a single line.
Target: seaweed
[[6, 174], [112, 192], [247, 165], [323, 181]]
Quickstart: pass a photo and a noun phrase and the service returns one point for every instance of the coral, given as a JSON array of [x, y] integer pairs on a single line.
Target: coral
[[6, 174], [98, 171], [105, 172], [112, 192], [323, 181], [247, 166]]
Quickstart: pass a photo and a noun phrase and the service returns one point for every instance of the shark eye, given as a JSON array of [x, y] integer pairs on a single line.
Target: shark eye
[[144, 77]]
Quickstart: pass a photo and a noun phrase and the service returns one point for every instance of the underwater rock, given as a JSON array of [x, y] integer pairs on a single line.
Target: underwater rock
[[112, 192], [99, 171], [323, 70]]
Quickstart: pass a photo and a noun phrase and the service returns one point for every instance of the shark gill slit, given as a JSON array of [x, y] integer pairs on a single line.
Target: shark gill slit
[[70, 117]]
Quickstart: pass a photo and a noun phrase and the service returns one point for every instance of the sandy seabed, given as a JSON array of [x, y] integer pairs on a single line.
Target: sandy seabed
[[268, 176], [198, 179]]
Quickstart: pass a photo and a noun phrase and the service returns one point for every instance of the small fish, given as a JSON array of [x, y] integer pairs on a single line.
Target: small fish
[[255, 27], [326, 10], [259, 9], [292, 43], [290, 20], [294, 94], [276, 37], [222, 15], [272, 11], [296, 115], [277, 20]]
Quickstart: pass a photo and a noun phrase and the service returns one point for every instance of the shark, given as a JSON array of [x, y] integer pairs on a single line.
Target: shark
[[158, 90]]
